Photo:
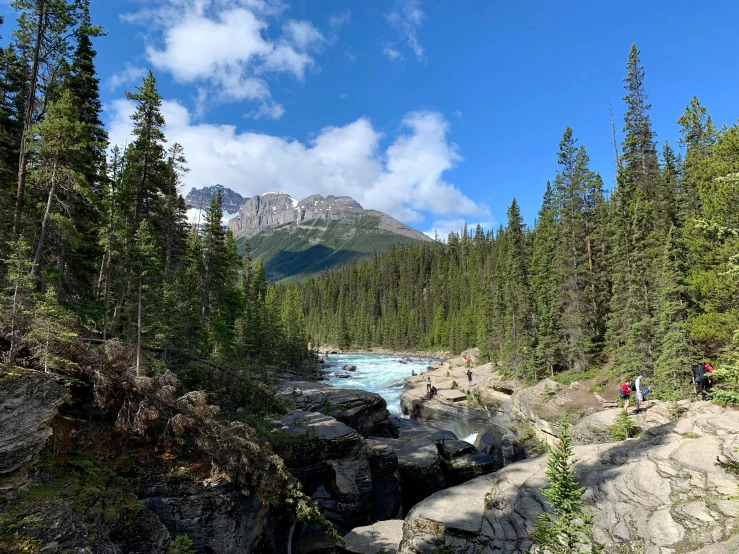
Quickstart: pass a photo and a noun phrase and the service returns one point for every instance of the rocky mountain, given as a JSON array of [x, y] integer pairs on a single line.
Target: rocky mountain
[[275, 211], [298, 238], [199, 199]]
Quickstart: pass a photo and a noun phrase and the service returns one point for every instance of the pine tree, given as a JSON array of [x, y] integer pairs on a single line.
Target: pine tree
[[544, 284], [51, 331], [518, 332], [16, 306], [569, 527], [40, 38], [676, 352], [698, 135], [60, 140]]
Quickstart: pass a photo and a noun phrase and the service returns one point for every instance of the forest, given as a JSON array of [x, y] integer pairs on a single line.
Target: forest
[[95, 241], [639, 278]]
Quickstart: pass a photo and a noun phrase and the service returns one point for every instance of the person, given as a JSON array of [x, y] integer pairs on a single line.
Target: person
[[433, 391], [699, 378], [428, 384], [469, 377], [639, 394], [413, 372], [625, 394], [468, 361], [708, 377]]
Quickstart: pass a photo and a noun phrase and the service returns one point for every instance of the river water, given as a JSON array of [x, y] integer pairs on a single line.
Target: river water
[[382, 374]]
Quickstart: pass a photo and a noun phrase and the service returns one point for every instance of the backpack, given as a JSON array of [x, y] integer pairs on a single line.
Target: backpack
[[632, 386]]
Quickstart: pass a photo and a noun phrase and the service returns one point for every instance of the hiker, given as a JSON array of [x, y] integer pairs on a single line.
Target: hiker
[[468, 361], [428, 384], [469, 377], [709, 377], [625, 394], [702, 380], [640, 394], [413, 372], [433, 391]]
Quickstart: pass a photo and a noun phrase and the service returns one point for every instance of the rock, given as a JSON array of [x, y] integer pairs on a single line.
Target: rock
[[383, 536], [355, 482], [421, 474], [216, 517], [658, 492], [277, 210], [432, 367], [350, 368], [451, 448], [364, 411], [29, 400], [402, 362], [199, 199], [50, 548], [452, 395]]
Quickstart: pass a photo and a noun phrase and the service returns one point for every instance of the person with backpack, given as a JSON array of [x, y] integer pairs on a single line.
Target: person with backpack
[[636, 386], [625, 394], [702, 379]]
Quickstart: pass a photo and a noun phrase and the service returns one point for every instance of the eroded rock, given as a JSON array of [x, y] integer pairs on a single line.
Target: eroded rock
[[660, 493]]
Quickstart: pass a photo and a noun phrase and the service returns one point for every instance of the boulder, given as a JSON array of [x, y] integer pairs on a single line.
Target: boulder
[[353, 481], [364, 411], [29, 400], [660, 493], [350, 368], [383, 536], [452, 395]]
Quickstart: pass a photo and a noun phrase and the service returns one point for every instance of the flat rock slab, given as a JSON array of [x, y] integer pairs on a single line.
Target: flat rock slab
[[383, 536], [452, 395]]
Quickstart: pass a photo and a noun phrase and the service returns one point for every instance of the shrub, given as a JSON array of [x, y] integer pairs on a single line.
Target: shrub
[[181, 545], [455, 386], [624, 428]]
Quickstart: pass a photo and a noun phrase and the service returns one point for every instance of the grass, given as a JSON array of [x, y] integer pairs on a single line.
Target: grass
[[570, 376], [691, 436]]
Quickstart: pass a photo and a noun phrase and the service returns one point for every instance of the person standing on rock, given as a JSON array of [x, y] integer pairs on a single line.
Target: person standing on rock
[[469, 377], [639, 394], [428, 384], [625, 394]]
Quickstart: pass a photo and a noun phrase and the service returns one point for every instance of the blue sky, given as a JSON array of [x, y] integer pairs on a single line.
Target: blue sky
[[434, 111]]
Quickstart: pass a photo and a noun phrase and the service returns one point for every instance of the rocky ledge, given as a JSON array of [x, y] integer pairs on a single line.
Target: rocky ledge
[[363, 411], [29, 400], [663, 493]]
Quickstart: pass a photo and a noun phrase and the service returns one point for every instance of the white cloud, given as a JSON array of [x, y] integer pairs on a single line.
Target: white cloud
[[406, 18], [443, 227], [404, 180], [267, 111], [340, 19], [225, 46], [131, 74], [392, 53]]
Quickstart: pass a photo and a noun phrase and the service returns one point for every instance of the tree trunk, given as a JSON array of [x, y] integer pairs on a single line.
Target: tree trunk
[[44, 224], [30, 102], [139, 324]]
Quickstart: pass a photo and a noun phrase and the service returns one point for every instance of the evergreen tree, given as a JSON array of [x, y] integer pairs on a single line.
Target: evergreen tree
[[16, 307], [569, 527], [545, 285], [41, 40], [676, 352]]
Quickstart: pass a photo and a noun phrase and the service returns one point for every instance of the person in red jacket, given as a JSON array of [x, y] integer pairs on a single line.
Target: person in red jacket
[[625, 394]]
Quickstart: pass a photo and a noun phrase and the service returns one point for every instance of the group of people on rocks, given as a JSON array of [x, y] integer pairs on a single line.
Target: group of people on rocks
[[702, 380]]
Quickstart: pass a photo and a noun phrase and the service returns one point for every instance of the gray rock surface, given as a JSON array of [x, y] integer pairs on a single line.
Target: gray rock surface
[[29, 400], [661, 493], [200, 199], [383, 536], [276, 210], [364, 411], [355, 482]]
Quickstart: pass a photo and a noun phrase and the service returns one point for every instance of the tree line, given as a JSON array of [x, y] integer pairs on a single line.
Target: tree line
[[95, 239], [643, 277]]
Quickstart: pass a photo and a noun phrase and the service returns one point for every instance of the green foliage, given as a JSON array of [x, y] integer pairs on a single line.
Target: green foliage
[[181, 545], [624, 427], [569, 526], [726, 391]]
